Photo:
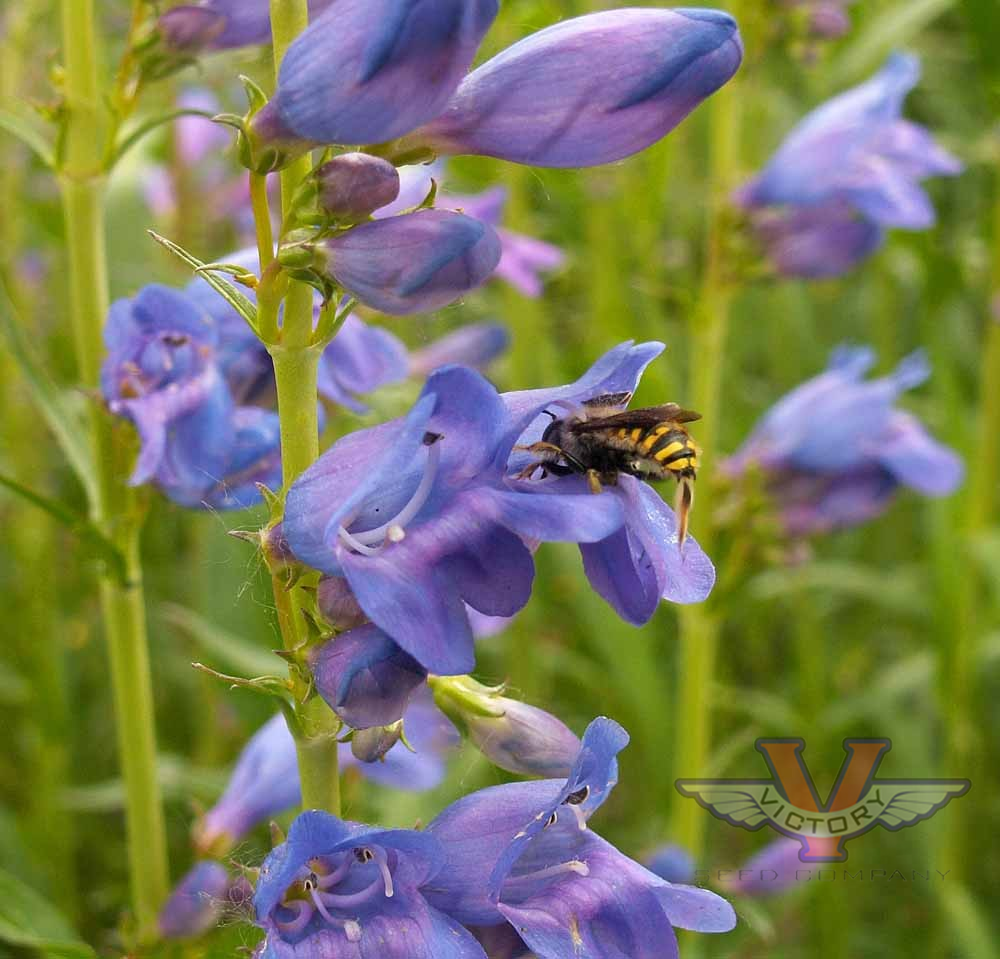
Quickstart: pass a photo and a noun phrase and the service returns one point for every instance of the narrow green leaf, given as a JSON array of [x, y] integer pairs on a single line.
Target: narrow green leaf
[[891, 30], [226, 290], [233, 651], [30, 921], [969, 922], [131, 138], [30, 133], [93, 540], [61, 416]]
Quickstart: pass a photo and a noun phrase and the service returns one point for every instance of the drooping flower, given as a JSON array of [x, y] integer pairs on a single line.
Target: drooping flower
[[586, 91], [196, 903], [417, 516], [473, 344], [849, 171], [162, 373], [523, 852], [835, 450], [265, 779], [640, 563], [340, 888], [772, 870]]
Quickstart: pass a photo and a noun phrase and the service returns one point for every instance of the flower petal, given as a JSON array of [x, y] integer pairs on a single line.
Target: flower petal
[[917, 460]]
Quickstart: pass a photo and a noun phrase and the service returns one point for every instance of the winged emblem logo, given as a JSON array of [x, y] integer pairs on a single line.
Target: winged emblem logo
[[788, 801]]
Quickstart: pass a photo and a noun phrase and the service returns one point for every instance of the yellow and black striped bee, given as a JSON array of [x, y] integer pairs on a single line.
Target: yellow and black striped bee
[[603, 439]]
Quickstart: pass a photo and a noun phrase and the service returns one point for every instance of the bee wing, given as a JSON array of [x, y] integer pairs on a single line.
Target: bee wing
[[607, 403], [630, 419]]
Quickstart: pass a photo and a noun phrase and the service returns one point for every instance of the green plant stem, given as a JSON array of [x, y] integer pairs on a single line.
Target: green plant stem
[[296, 366], [700, 624], [115, 508]]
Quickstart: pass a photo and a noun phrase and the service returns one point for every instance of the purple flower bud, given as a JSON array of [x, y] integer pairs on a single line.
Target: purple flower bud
[[511, 734], [371, 70], [829, 20], [365, 677], [196, 903], [589, 90], [673, 863], [413, 263], [190, 29], [354, 185], [371, 745]]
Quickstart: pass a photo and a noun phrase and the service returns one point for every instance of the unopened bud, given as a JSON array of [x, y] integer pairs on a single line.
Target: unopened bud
[[371, 745], [354, 185], [190, 29], [512, 735]]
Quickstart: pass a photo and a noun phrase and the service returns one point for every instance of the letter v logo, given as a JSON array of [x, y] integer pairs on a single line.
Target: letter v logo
[[784, 758]]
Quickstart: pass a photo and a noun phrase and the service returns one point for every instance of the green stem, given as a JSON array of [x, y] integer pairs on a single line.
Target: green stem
[[296, 366], [700, 625], [115, 508]]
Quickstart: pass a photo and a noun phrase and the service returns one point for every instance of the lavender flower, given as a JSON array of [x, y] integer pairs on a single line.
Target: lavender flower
[[418, 518], [770, 871], [341, 888], [162, 373], [589, 90], [474, 344], [523, 852], [673, 863], [265, 779], [846, 173], [353, 185], [835, 450], [641, 562]]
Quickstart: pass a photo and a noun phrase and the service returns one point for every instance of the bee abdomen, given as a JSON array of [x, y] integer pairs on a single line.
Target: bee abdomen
[[672, 449]]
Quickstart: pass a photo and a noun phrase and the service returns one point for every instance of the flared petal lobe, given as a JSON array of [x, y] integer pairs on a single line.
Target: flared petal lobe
[[589, 90], [413, 263], [372, 70]]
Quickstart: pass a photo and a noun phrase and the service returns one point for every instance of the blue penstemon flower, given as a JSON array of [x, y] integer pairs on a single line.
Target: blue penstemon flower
[[340, 888], [836, 449], [524, 853], [849, 171]]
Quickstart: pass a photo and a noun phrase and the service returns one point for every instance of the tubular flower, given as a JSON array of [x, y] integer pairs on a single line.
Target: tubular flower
[[588, 90], [640, 563], [340, 888], [265, 779], [846, 173], [415, 514], [524, 853], [162, 373], [196, 903], [835, 450]]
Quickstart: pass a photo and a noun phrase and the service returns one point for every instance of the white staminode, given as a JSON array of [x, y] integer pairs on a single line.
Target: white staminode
[[573, 866], [371, 542]]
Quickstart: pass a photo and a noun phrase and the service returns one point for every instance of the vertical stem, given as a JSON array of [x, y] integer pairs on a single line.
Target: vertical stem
[[699, 625], [296, 365], [115, 507]]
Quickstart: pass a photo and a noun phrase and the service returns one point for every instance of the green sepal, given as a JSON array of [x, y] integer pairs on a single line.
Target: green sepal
[[240, 274], [256, 97], [227, 291], [459, 696], [274, 686]]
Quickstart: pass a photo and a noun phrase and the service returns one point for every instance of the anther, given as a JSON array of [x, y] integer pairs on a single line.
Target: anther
[[578, 797]]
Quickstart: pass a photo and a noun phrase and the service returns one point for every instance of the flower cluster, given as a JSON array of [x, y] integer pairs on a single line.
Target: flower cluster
[[849, 171], [199, 386], [427, 516], [512, 868], [835, 450]]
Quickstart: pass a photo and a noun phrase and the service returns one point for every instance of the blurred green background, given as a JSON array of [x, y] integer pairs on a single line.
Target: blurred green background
[[888, 630]]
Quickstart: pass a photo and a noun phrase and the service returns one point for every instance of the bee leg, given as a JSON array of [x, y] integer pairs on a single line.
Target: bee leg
[[529, 471], [594, 481], [540, 448]]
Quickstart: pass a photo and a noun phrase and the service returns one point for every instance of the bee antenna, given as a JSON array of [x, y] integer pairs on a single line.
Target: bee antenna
[[550, 414]]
